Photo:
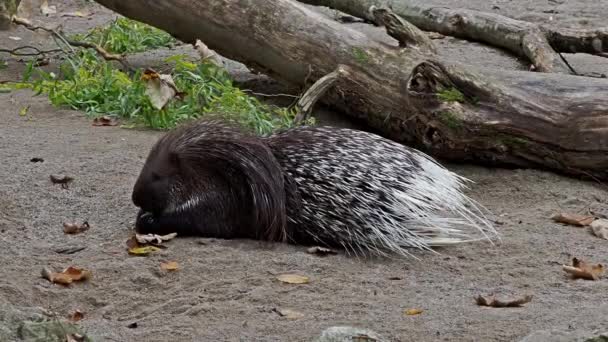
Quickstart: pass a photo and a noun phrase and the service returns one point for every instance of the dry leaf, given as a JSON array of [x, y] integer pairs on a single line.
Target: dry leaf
[[78, 14], [143, 251], [76, 316], [169, 266], [23, 111], [45, 9], [205, 53], [64, 181], [322, 251], [411, 312], [580, 269], [599, 228], [293, 279], [73, 228], [496, 303], [77, 274], [154, 238], [105, 121], [289, 314], [573, 219], [160, 88], [67, 276]]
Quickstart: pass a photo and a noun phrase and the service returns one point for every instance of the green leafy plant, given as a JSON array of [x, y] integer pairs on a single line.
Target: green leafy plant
[[89, 83], [127, 36]]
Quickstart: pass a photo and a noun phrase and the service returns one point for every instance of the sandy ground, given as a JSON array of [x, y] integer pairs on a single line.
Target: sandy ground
[[226, 290]]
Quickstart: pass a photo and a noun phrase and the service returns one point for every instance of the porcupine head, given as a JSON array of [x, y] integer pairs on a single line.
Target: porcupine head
[[210, 180]]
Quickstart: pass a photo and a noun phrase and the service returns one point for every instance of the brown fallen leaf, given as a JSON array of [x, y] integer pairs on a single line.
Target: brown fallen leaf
[[74, 228], [293, 279], [160, 88], [321, 251], [581, 269], [411, 312], [76, 316], [599, 228], [105, 121], [67, 276], [496, 303], [63, 180], [574, 219], [289, 314], [169, 266]]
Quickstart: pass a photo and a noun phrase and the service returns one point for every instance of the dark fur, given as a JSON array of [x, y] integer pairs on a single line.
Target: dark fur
[[235, 175]]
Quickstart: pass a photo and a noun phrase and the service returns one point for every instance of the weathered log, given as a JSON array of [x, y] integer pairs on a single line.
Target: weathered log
[[454, 111], [540, 44]]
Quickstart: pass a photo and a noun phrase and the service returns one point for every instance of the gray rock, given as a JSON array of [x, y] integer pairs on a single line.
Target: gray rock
[[565, 336]]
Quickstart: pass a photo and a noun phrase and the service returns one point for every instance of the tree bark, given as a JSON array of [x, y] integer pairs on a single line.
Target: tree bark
[[453, 111], [540, 44]]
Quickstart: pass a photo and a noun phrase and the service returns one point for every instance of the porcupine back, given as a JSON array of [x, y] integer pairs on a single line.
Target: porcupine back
[[371, 195]]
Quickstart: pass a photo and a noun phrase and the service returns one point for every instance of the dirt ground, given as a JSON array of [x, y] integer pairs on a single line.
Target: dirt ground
[[226, 290]]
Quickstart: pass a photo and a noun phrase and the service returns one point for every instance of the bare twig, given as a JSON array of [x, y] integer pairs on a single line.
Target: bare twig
[[71, 43], [36, 52]]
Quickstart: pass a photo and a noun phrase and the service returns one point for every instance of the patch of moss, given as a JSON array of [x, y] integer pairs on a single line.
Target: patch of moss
[[450, 119], [451, 95], [514, 141], [360, 55]]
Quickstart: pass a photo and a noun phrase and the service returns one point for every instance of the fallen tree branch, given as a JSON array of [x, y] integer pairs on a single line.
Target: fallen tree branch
[[538, 43], [316, 91], [405, 33], [72, 43], [454, 111]]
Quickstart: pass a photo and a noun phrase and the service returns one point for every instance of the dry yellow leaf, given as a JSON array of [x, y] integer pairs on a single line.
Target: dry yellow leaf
[[293, 279], [169, 266], [143, 251], [411, 312]]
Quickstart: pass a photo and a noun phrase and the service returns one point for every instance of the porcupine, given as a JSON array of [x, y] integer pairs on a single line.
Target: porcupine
[[307, 185]]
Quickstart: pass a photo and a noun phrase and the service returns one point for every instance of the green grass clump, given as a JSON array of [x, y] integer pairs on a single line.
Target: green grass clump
[[451, 95], [91, 84], [127, 36], [360, 55], [450, 120]]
